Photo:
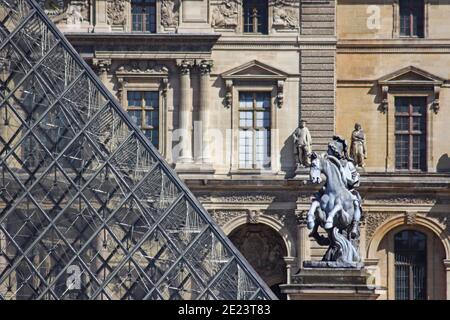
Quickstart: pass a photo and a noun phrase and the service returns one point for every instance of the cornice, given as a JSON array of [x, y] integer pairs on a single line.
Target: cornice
[[393, 45]]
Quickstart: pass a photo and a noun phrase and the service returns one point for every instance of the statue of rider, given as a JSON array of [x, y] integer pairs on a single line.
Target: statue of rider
[[337, 148]]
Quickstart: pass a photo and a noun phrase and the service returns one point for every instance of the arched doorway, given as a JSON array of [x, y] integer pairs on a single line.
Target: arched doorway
[[264, 249], [411, 264]]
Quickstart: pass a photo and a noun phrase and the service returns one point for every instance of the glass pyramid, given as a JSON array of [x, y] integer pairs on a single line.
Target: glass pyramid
[[89, 209]]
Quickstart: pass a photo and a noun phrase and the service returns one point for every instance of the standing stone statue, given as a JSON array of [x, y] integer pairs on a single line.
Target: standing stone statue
[[302, 145], [358, 150]]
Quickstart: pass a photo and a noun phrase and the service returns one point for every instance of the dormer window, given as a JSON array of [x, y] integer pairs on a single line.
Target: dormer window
[[256, 16], [143, 14], [412, 18]]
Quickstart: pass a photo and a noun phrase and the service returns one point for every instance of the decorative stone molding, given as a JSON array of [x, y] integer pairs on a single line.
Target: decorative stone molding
[[185, 65], [410, 218], [229, 94], [170, 13], [225, 14], [403, 199], [223, 216], [300, 217], [280, 93], [53, 7], [116, 10], [205, 66], [142, 67], [285, 14], [101, 65], [411, 78], [72, 13], [253, 216], [436, 103], [372, 221]]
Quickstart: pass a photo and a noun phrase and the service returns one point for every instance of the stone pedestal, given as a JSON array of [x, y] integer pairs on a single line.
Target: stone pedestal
[[330, 284]]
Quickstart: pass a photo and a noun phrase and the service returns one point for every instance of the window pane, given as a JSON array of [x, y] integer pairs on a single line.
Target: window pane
[[262, 149], [152, 99], [151, 119], [412, 18], [262, 119], [136, 117], [401, 123], [255, 15], [402, 152], [263, 100], [246, 149], [134, 98], [246, 118], [245, 100]]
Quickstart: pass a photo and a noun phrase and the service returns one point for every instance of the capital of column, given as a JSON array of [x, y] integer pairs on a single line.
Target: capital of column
[[102, 65], [205, 66], [185, 65], [300, 217]]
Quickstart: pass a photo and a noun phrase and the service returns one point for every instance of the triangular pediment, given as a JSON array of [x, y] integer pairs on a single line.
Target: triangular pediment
[[410, 75], [255, 69]]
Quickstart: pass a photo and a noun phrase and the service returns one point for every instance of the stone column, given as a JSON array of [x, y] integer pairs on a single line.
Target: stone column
[[447, 272], [205, 70], [185, 111], [304, 243], [290, 261], [102, 68]]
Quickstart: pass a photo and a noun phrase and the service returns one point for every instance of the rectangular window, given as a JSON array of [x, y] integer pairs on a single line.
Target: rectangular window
[[143, 13], [143, 108], [412, 18], [256, 16], [254, 130], [410, 133]]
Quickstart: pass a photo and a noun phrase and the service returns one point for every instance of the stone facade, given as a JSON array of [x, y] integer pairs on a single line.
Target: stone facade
[[330, 64]]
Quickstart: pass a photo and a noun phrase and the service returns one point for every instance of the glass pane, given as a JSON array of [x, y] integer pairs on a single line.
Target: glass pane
[[246, 119], [401, 123], [136, 117], [246, 149], [262, 149], [152, 99], [245, 100], [402, 152], [134, 99], [262, 119], [263, 100]]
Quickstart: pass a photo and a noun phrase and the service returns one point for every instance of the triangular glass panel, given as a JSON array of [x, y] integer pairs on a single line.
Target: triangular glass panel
[[88, 207]]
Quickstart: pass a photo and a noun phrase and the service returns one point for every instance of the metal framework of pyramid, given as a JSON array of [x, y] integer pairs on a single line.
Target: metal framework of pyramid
[[89, 209]]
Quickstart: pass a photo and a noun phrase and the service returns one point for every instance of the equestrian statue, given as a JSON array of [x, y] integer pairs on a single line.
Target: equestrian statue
[[337, 206]]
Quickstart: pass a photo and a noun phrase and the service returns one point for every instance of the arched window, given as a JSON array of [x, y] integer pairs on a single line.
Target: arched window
[[256, 18], [410, 248]]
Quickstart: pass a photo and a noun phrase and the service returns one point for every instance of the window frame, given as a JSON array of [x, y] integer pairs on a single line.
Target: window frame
[[410, 133], [153, 4], [255, 128], [398, 17], [267, 15], [144, 109], [410, 265]]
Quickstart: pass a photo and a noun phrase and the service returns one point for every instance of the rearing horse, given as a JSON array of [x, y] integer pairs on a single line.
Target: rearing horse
[[336, 207]]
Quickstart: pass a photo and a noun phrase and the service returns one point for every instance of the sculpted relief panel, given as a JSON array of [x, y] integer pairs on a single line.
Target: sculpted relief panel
[[116, 10], [68, 12], [225, 14], [170, 13], [285, 14]]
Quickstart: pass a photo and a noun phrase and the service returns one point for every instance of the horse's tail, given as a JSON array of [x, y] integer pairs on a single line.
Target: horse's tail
[[348, 252]]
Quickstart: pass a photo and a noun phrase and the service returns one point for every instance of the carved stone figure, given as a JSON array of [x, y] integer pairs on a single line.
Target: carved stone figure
[[225, 15], [302, 145], [337, 206], [116, 12], [358, 150], [284, 15], [170, 13], [74, 15]]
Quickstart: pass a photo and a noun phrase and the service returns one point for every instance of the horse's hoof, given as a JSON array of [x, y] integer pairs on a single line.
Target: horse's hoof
[[328, 225]]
